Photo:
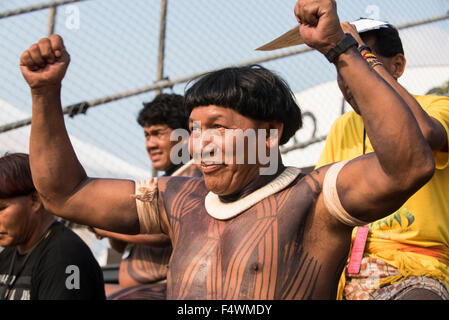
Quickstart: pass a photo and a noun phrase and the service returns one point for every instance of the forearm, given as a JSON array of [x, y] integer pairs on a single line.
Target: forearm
[[51, 153], [62, 182], [59, 178], [389, 122], [158, 240]]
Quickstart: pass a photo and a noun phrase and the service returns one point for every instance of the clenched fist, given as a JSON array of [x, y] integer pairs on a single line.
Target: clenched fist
[[320, 26], [45, 63]]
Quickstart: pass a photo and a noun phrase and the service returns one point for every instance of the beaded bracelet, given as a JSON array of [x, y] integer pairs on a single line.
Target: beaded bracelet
[[369, 55], [375, 63], [371, 59]]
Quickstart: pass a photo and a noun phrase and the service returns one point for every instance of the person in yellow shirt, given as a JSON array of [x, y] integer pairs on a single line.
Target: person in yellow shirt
[[405, 255]]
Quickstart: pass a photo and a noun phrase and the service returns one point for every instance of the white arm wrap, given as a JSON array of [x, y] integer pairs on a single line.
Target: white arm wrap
[[147, 206], [331, 199]]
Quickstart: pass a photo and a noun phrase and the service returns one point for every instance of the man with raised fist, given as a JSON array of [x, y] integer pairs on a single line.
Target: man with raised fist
[[238, 234]]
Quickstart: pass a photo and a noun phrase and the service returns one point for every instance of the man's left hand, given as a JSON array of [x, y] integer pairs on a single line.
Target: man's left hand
[[351, 29]]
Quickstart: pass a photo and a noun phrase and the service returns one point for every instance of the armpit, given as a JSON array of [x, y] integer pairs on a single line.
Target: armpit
[[147, 206], [332, 200]]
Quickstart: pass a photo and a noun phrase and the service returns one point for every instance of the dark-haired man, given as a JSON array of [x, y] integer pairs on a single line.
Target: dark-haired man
[[158, 119], [237, 234], [143, 270], [407, 253]]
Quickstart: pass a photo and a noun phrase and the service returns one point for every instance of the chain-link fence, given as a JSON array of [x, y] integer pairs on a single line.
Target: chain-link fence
[[123, 52], [115, 49]]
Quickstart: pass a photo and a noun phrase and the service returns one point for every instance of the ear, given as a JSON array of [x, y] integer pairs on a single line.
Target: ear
[[273, 140], [398, 63], [36, 202]]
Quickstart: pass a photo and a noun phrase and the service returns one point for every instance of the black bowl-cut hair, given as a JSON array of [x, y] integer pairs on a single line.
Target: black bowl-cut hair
[[253, 91], [165, 109]]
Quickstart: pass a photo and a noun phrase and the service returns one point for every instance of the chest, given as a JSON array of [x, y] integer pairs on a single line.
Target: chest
[[249, 256]]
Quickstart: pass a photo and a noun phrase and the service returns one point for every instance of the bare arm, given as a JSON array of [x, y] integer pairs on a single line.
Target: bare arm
[[431, 128], [371, 186], [57, 174], [119, 240]]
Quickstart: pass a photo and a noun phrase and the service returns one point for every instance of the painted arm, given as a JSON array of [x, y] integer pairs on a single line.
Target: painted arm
[[372, 186]]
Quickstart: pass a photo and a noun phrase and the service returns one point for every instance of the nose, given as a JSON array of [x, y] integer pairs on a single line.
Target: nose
[[204, 143], [150, 143]]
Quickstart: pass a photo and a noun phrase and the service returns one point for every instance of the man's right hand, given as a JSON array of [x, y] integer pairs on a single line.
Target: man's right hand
[[45, 63]]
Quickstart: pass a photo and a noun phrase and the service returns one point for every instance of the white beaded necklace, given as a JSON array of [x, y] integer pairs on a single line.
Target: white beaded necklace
[[224, 211]]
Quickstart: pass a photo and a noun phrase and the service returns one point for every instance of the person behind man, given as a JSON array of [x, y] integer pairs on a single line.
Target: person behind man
[[238, 233], [158, 119], [408, 251], [42, 259], [143, 270]]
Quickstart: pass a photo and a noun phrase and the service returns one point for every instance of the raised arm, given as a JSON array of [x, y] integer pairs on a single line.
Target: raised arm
[[371, 186], [57, 174]]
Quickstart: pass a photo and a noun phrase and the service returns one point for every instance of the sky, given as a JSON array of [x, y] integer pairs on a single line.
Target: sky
[[113, 47]]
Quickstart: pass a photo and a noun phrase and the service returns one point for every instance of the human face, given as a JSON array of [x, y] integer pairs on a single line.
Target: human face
[[158, 145], [222, 176], [17, 220]]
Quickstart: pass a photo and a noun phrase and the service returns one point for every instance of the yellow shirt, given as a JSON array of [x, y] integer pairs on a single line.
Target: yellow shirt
[[414, 239]]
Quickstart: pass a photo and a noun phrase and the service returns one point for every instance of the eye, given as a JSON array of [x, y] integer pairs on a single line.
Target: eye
[[218, 126]]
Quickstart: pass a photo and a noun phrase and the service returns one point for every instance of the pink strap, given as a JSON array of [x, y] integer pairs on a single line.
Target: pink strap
[[357, 249]]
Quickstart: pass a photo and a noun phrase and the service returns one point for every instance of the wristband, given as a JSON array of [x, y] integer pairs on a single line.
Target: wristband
[[341, 47], [364, 48]]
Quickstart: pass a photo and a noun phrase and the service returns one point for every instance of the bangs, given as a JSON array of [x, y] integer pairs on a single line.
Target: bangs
[[218, 88], [252, 91], [15, 176]]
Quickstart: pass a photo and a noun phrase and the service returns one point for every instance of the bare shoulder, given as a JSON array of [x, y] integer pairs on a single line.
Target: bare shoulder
[[315, 179], [319, 212], [172, 187], [321, 228]]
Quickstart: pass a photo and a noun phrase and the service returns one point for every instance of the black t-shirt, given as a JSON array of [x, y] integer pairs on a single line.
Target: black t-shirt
[[60, 267]]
